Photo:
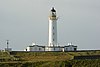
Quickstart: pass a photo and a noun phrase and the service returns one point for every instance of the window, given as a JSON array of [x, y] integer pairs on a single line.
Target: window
[[39, 49], [53, 39], [66, 48], [74, 49], [53, 27], [53, 33], [54, 48]]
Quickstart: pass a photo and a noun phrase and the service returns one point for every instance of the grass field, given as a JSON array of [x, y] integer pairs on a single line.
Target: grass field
[[47, 59]]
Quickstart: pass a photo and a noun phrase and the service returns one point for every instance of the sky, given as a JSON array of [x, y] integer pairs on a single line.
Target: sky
[[24, 22]]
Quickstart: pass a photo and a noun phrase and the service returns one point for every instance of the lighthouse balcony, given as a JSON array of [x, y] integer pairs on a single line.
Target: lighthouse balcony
[[53, 18]]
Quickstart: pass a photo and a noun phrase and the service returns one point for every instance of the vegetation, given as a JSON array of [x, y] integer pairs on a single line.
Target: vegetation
[[71, 63], [47, 59]]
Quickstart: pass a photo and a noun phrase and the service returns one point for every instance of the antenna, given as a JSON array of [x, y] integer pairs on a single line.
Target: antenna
[[7, 44]]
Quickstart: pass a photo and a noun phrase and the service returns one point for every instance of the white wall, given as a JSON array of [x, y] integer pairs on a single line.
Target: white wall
[[48, 48], [70, 48], [52, 29], [35, 48], [53, 49]]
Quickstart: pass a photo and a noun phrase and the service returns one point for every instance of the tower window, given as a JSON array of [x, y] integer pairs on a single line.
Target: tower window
[[53, 27], [53, 33], [53, 39]]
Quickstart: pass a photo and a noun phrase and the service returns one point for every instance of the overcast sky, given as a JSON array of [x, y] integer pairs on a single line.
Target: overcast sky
[[26, 21]]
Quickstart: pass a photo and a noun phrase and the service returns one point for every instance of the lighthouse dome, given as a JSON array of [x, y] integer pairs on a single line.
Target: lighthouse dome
[[53, 10]]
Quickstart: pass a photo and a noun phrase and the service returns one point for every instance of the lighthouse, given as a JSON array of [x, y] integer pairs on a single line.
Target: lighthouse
[[52, 37], [52, 28]]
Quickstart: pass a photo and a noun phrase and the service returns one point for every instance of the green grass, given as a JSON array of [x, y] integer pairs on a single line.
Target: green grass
[[47, 59], [70, 63], [42, 56]]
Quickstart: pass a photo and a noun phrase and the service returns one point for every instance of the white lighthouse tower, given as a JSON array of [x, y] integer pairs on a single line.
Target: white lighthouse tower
[[52, 43], [52, 28]]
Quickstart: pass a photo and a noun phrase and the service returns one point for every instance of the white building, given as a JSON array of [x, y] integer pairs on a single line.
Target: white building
[[7, 48], [35, 47], [51, 48], [52, 42], [52, 28], [70, 47]]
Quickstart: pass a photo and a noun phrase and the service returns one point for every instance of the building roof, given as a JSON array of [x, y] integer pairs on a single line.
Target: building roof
[[54, 46], [70, 45], [36, 45]]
